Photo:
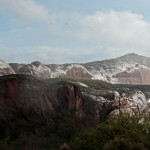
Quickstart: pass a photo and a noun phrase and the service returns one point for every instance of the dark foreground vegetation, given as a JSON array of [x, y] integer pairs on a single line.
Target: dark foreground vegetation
[[68, 132]]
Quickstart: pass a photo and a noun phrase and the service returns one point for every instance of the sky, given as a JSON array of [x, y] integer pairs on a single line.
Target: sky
[[73, 31]]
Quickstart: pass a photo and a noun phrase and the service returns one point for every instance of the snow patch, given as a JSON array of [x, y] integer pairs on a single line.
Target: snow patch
[[82, 84]]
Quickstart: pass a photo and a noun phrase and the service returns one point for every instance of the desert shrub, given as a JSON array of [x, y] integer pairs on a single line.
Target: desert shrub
[[117, 133], [123, 144], [120, 132]]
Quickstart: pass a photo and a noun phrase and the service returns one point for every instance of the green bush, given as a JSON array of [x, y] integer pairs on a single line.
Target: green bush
[[120, 132]]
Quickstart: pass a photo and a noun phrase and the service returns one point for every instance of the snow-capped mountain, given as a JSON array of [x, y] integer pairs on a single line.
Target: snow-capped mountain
[[128, 69]]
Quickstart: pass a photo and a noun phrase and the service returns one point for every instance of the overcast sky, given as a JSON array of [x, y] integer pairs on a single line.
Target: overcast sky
[[63, 31]]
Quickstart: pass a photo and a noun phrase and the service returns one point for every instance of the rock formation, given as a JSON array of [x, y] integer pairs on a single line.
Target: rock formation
[[28, 101], [99, 104], [70, 100], [128, 69], [23, 99], [5, 68], [133, 104]]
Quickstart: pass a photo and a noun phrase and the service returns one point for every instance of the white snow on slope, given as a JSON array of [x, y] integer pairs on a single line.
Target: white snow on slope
[[109, 73], [5, 68]]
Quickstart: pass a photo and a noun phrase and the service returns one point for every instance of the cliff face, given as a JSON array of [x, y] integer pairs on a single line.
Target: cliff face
[[28, 101], [128, 69], [139, 76], [70, 100], [78, 72], [23, 98]]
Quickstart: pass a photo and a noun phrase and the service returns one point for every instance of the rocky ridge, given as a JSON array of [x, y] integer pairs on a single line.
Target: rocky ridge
[[5, 68], [128, 69], [28, 101]]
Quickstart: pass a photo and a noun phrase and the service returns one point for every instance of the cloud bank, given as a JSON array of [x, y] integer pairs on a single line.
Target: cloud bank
[[119, 29], [116, 33], [110, 33], [25, 10]]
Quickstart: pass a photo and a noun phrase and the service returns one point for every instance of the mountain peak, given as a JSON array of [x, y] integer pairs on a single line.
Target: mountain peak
[[5, 68], [130, 55], [134, 57], [128, 69], [36, 63]]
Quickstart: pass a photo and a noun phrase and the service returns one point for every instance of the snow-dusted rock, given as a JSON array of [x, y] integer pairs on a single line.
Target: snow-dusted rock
[[136, 103], [128, 69], [138, 99], [5, 68]]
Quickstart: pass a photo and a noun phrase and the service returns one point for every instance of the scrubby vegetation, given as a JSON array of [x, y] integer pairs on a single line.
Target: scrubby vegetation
[[101, 85], [118, 133]]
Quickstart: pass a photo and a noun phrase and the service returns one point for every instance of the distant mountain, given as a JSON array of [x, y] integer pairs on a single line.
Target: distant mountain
[[5, 68], [127, 69]]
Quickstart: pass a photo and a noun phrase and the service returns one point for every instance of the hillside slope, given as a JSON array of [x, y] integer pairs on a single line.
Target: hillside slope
[[128, 69]]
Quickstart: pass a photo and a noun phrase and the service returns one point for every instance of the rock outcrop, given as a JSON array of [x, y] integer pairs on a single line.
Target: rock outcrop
[[35, 69], [29, 101], [128, 69], [99, 104], [138, 76], [70, 100], [26, 100], [5, 68], [23, 99], [133, 104]]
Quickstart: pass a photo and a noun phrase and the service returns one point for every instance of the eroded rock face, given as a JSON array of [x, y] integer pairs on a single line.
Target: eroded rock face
[[139, 76], [128, 69], [35, 69], [70, 100], [28, 101], [23, 99], [78, 72], [99, 104], [133, 104], [5, 68]]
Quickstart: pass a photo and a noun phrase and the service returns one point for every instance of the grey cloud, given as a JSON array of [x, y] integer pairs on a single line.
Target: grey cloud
[[116, 29], [115, 33], [25, 10]]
